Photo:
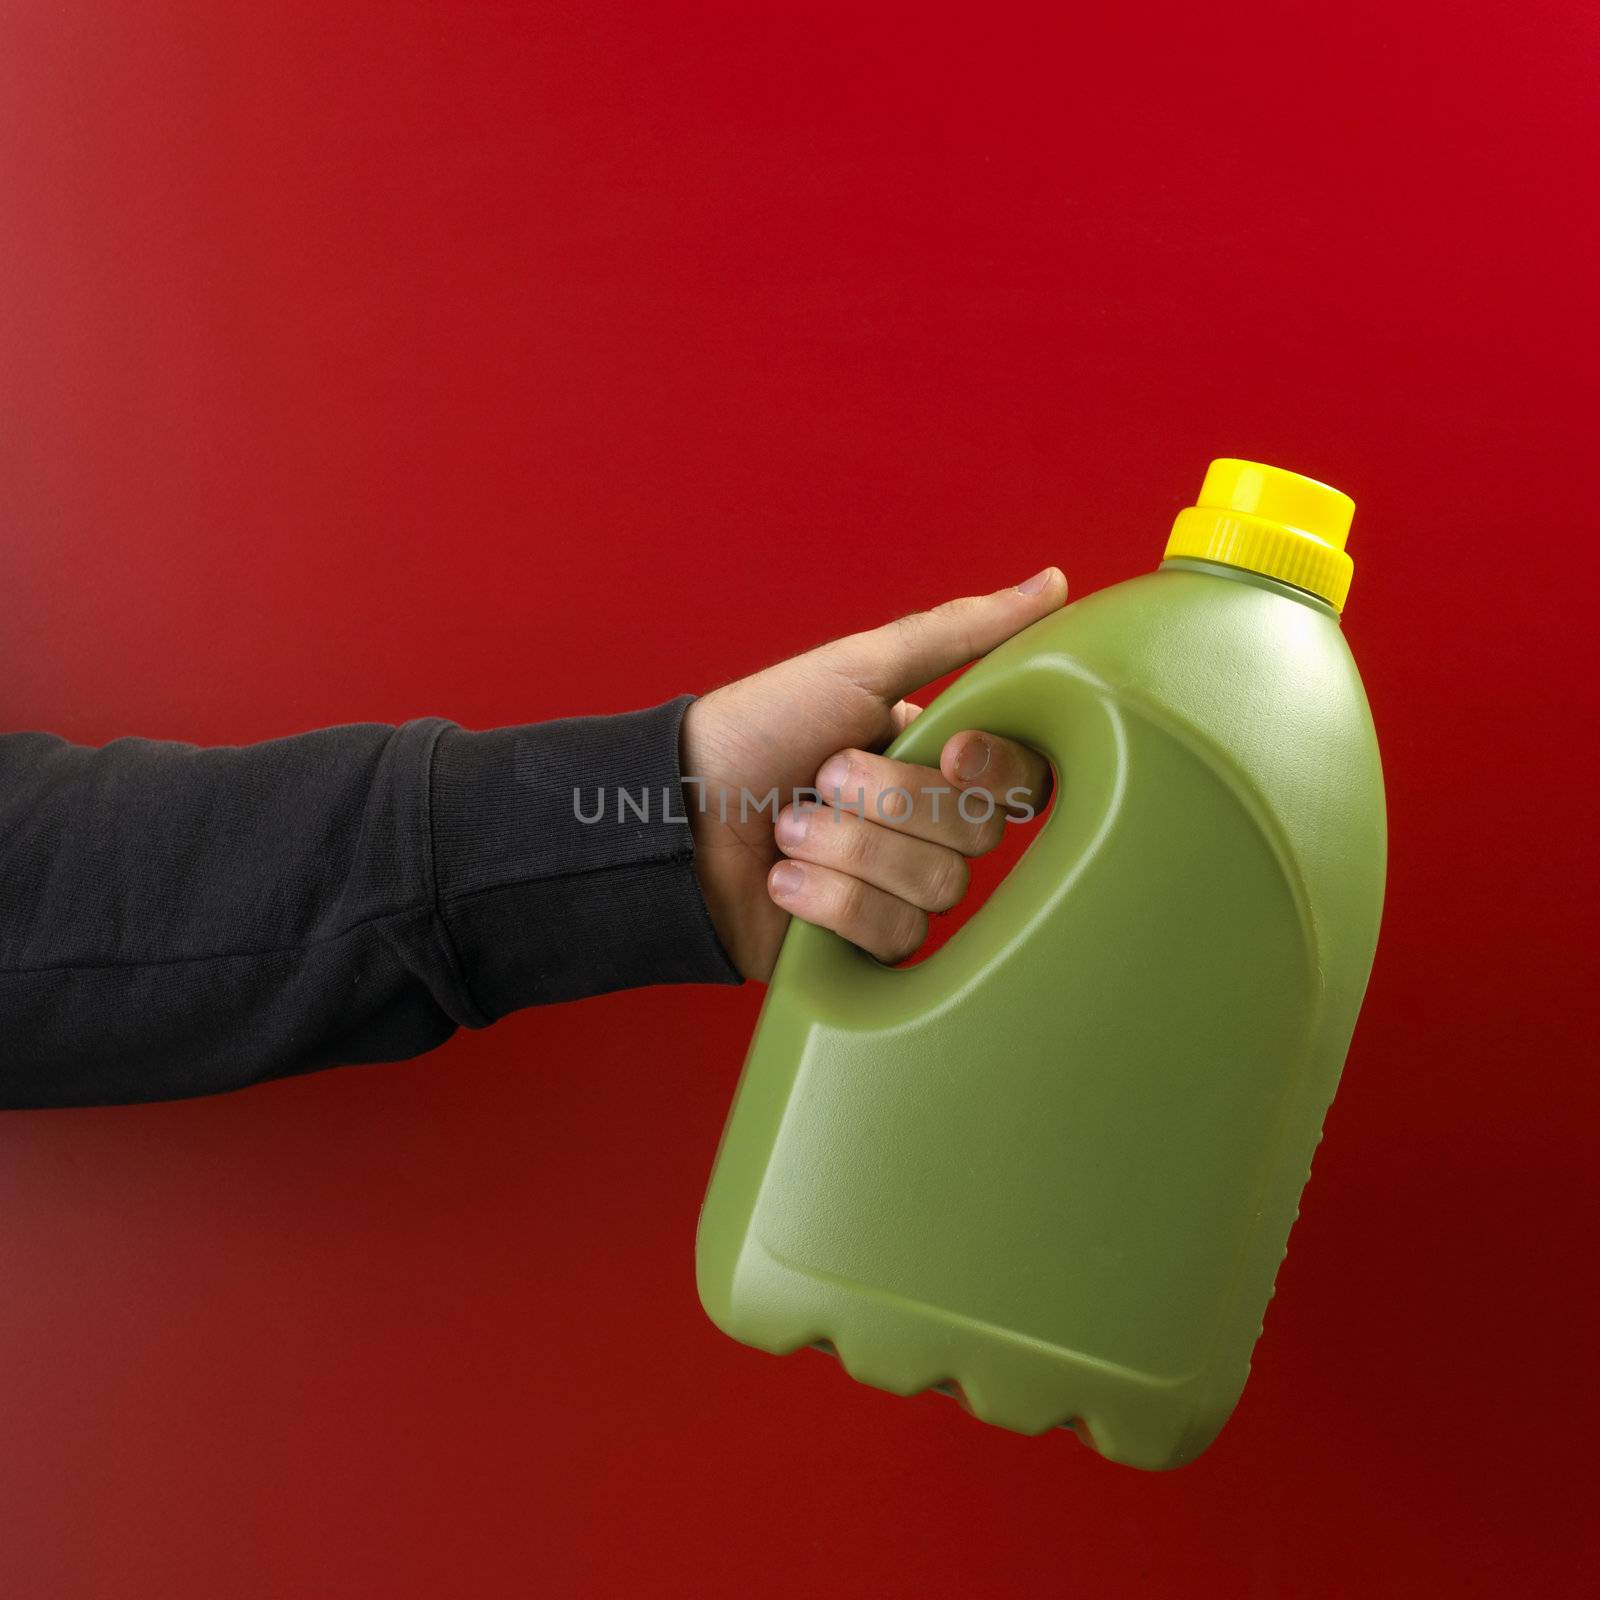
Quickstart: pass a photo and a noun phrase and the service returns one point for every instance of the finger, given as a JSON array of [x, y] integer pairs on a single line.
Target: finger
[[928, 876], [883, 926], [1018, 778], [912, 799], [894, 659], [902, 714]]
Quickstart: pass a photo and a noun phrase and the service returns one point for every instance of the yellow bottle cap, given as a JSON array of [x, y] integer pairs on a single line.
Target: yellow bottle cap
[[1273, 522]]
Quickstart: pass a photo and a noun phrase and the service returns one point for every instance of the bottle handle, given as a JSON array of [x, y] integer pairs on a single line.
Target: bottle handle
[[1040, 699]]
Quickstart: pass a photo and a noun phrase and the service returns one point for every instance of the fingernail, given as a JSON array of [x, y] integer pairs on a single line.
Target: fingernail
[[973, 761], [833, 776], [792, 825], [1036, 582], [786, 880]]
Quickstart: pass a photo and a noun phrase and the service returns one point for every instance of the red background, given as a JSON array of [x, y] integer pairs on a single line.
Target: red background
[[365, 361]]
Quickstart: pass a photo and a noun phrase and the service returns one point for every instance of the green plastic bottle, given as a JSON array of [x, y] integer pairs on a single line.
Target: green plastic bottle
[[1054, 1166]]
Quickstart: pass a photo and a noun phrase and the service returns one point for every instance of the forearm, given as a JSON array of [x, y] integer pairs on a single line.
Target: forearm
[[178, 921]]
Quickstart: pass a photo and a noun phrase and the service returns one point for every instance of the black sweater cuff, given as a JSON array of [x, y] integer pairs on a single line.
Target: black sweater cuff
[[564, 861]]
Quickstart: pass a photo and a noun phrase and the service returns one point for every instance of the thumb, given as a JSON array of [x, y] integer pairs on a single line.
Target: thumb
[[901, 656]]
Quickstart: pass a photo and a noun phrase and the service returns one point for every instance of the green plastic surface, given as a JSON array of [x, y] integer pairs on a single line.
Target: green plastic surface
[[1055, 1165]]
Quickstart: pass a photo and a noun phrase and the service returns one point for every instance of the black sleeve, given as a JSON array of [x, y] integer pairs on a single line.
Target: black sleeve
[[177, 921]]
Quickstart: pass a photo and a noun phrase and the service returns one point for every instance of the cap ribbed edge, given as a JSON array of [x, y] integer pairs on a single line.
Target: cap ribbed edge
[[1237, 539]]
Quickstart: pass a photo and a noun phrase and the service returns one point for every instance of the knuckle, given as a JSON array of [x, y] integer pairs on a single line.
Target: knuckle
[[990, 833], [962, 617], [849, 842], [959, 609], [978, 816], [911, 628], [910, 928], [1007, 769], [850, 903], [948, 883], [972, 840], [893, 805], [1016, 767]]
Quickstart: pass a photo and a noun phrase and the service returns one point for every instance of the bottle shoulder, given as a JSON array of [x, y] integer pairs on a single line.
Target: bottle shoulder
[[1262, 691], [1267, 679]]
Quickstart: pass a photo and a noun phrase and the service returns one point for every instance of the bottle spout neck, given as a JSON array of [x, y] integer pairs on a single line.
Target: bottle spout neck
[[1256, 580]]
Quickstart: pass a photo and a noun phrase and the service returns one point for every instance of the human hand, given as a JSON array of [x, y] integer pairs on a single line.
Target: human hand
[[865, 862]]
